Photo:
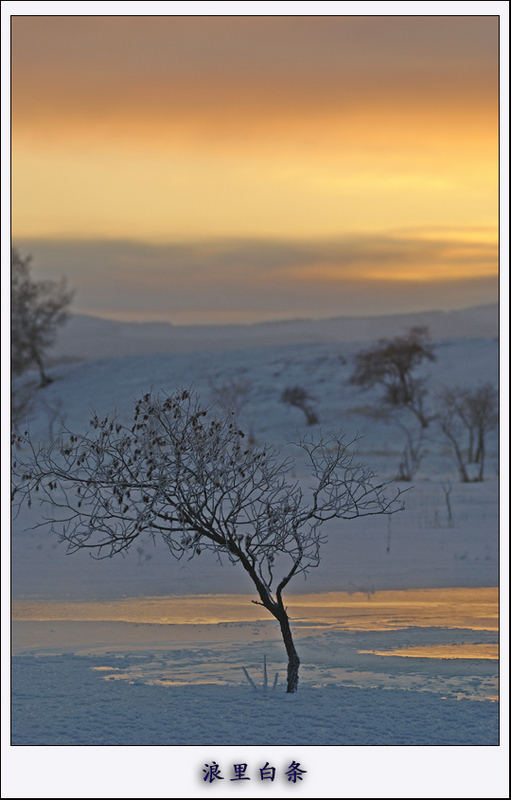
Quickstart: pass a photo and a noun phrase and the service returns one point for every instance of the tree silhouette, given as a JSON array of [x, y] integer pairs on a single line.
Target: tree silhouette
[[391, 363], [298, 397], [38, 308], [185, 474], [472, 413]]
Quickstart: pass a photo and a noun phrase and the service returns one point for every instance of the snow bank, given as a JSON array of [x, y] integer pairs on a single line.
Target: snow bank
[[63, 701]]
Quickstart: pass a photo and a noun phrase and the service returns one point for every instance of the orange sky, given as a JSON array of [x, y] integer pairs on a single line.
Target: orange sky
[[169, 130]]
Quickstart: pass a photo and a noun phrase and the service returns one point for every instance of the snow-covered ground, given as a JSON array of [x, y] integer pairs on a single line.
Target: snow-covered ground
[[396, 628]]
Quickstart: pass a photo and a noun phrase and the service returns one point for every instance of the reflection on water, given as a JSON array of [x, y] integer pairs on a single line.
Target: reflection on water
[[440, 640], [165, 670], [486, 651], [476, 609]]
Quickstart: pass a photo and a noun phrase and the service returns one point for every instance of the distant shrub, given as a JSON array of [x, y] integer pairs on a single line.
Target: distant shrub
[[299, 398]]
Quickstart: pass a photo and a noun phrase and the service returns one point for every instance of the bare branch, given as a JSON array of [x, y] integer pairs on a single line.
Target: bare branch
[[185, 473], [391, 364]]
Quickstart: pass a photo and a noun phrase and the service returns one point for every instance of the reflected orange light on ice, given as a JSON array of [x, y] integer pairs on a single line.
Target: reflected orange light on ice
[[486, 651], [475, 609]]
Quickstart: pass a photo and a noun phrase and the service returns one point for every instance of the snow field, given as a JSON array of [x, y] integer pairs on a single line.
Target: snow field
[[347, 697]]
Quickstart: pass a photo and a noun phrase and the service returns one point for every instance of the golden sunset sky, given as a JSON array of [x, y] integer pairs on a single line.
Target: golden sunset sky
[[241, 168]]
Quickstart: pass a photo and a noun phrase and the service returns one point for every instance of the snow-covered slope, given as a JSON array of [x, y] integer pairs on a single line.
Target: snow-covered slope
[[424, 550], [87, 337], [110, 679]]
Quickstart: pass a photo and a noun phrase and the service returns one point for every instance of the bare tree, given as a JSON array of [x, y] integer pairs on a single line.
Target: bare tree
[[447, 489], [413, 450], [453, 430], [233, 394], [38, 308], [182, 473], [299, 398], [482, 406], [471, 414], [391, 363], [452, 403]]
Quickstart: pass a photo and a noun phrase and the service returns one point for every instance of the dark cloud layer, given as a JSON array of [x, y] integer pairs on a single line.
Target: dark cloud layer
[[219, 280]]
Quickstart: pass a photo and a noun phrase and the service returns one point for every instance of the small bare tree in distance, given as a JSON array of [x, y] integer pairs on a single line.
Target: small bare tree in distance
[[183, 473], [233, 394], [472, 413], [482, 404], [413, 450], [299, 398], [391, 363], [38, 308]]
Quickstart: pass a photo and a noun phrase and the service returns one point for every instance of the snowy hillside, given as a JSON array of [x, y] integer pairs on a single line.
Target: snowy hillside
[[185, 624], [323, 370], [86, 337]]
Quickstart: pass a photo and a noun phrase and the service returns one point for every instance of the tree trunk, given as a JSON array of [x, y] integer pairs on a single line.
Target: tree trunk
[[479, 456], [481, 461], [278, 610], [293, 663], [464, 478], [421, 416], [471, 446], [45, 380]]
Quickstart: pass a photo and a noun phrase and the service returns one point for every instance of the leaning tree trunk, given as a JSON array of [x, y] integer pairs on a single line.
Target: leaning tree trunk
[[293, 662], [479, 456], [277, 609], [45, 380]]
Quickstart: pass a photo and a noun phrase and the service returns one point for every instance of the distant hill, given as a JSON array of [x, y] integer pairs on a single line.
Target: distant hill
[[93, 337]]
